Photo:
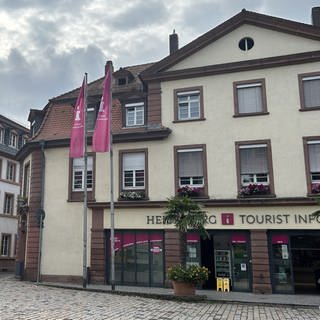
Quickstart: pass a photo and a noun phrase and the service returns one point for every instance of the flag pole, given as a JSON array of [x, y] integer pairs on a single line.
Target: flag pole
[[112, 280], [85, 193]]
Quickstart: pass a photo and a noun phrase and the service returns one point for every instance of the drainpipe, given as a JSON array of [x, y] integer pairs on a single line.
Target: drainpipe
[[40, 211]]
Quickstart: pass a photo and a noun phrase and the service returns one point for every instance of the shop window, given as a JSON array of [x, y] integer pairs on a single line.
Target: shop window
[[193, 249], [191, 168], [250, 97], [133, 164], [5, 245], [312, 155], [134, 114], [309, 85], [188, 104], [139, 258], [8, 203], [11, 171], [254, 168]]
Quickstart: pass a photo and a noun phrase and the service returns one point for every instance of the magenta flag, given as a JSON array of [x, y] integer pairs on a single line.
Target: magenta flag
[[101, 134], [77, 131]]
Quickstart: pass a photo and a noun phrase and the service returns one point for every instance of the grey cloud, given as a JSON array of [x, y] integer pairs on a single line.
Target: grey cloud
[[142, 13], [26, 85], [39, 4]]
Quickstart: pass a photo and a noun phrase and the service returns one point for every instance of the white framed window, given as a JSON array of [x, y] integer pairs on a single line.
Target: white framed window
[[13, 140], [190, 167], [134, 114], [254, 164], [1, 135], [5, 245], [11, 171], [310, 91], [78, 174], [314, 160], [133, 170], [8, 203], [188, 105]]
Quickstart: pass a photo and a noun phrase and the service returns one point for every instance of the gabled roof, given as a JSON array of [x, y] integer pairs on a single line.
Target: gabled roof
[[243, 17], [95, 87]]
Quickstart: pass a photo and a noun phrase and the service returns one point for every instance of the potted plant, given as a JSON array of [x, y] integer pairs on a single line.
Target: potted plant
[[189, 191], [185, 279], [186, 214]]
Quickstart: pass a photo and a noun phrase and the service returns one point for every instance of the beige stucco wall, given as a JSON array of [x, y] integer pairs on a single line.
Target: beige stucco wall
[[284, 126], [62, 247], [267, 43]]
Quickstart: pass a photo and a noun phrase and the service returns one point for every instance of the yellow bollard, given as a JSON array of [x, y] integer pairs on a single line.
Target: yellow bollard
[[226, 285], [219, 284]]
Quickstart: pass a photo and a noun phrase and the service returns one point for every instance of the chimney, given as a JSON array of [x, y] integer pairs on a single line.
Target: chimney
[[173, 42], [316, 16]]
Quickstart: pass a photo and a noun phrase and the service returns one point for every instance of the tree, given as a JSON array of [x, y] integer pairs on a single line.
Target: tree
[[186, 214]]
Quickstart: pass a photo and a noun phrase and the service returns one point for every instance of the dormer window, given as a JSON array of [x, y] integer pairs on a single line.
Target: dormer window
[[1, 135], [122, 81], [13, 140], [134, 114]]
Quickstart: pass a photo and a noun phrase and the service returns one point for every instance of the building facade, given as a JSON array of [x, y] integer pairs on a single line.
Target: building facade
[[232, 118], [12, 137]]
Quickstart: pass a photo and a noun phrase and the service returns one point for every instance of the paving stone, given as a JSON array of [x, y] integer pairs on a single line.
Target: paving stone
[[25, 300]]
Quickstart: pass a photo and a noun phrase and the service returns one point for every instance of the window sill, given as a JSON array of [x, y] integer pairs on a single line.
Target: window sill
[[188, 120], [240, 115], [255, 196], [309, 109]]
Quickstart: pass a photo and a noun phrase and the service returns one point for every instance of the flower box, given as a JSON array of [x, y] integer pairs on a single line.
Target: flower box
[[254, 190], [315, 188], [132, 195], [188, 191]]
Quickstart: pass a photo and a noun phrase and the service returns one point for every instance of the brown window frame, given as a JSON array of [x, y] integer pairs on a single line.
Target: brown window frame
[[307, 162], [77, 196], [176, 105], [146, 170], [1, 162], [301, 90], [204, 191], [267, 142], [261, 83]]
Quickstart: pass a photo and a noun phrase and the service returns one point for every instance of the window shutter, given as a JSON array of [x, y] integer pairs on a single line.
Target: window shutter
[[311, 93], [190, 164], [314, 157], [133, 161], [250, 99], [253, 160]]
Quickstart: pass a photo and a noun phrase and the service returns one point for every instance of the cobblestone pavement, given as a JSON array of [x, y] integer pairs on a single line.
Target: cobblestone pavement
[[24, 300]]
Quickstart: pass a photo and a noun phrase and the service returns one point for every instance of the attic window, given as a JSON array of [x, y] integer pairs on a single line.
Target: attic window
[[122, 81], [246, 43]]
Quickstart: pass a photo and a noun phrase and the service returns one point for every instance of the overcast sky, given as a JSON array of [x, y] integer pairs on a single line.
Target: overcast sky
[[47, 45]]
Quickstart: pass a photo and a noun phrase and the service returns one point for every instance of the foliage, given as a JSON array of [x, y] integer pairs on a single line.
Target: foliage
[[132, 195], [186, 214], [315, 188], [317, 212], [189, 191], [192, 274], [254, 189]]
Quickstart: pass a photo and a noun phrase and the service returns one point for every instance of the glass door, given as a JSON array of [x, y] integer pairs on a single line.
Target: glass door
[[281, 266], [241, 263]]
